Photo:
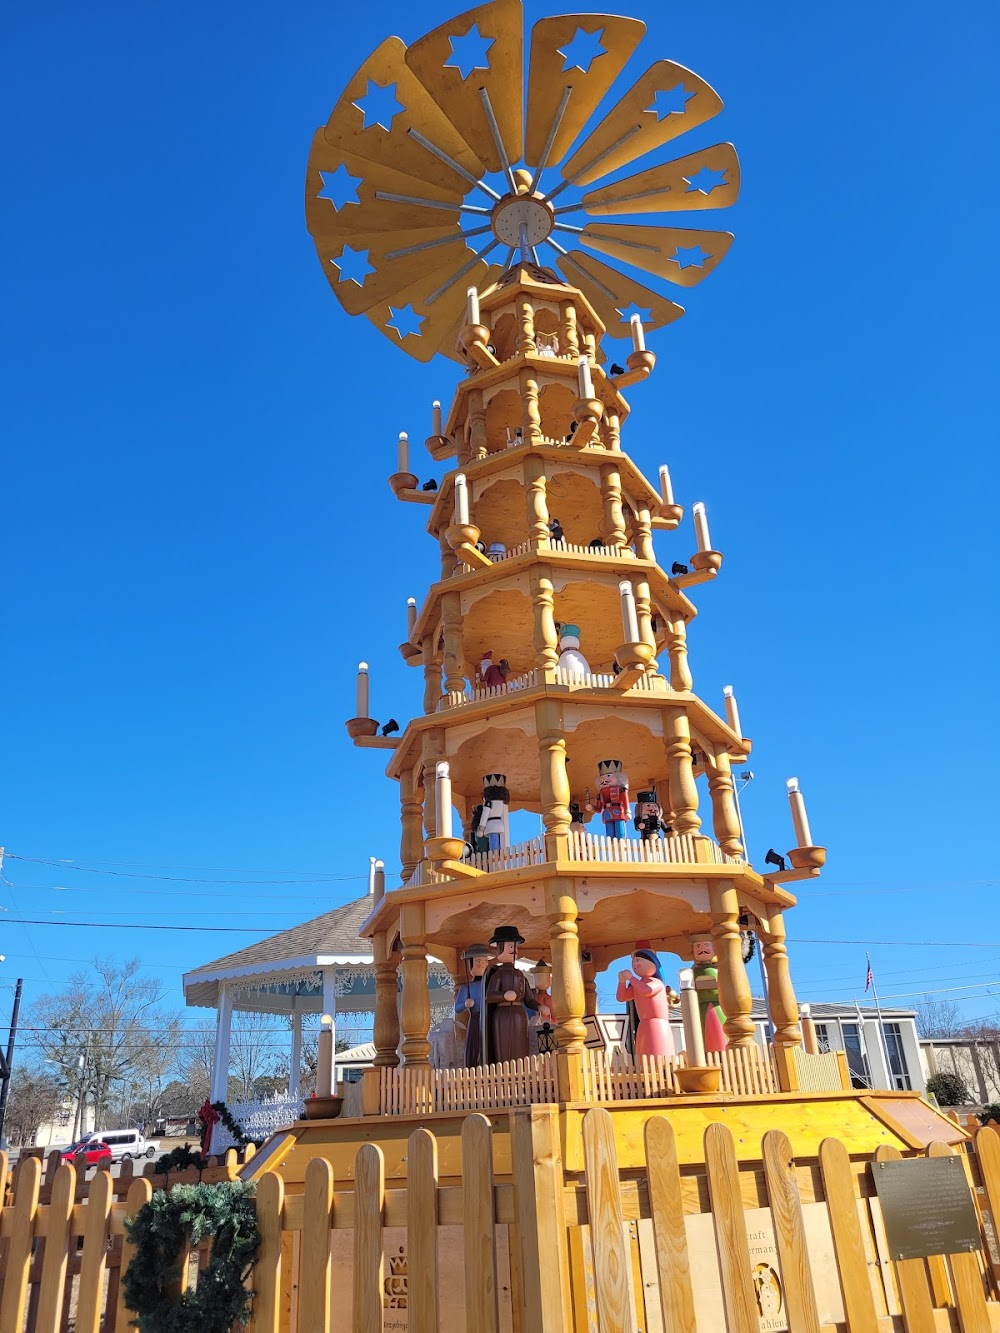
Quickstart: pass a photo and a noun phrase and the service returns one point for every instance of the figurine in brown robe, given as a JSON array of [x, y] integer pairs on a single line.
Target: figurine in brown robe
[[507, 993]]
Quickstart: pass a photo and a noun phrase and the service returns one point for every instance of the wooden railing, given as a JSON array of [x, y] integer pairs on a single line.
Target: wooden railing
[[589, 680], [675, 849], [416, 1091], [746, 1071], [746, 1238]]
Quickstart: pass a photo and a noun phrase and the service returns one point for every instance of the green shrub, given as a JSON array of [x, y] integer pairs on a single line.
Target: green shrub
[[991, 1111], [949, 1089]]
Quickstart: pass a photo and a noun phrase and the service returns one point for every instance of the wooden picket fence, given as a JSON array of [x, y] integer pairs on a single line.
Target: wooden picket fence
[[746, 1072], [748, 1245], [415, 1091]]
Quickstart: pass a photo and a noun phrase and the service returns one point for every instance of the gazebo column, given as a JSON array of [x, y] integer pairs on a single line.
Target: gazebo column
[[295, 1067], [589, 969], [223, 1035], [416, 1006], [330, 1007]]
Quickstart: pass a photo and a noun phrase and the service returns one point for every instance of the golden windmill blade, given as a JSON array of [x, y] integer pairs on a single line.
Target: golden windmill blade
[[404, 219], [666, 101], [678, 254], [709, 178], [473, 67], [575, 58]]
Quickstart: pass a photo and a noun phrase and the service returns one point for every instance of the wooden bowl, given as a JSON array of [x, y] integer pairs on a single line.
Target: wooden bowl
[[697, 1078], [324, 1108]]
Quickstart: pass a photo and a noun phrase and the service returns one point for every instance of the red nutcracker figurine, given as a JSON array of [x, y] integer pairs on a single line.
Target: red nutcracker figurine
[[612, 797]]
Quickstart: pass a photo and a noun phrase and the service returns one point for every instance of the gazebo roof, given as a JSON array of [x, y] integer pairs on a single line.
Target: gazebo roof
[[281, 965]]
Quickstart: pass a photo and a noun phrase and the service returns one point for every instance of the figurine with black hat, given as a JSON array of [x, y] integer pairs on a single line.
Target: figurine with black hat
[[469, 1000], [649, 819], [507, 993], [494, 822]]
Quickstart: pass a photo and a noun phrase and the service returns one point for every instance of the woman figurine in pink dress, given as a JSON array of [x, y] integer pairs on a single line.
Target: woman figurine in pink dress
[[646, 993]]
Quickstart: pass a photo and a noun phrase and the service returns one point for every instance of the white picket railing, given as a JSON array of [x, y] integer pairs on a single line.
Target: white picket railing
[[258, 1118], [674, 849]]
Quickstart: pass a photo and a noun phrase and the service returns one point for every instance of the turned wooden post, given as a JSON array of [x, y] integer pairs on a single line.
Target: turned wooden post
[[643, 611], [734, 988], [535, 492], [449, 560], [543, 605], [567, 986], [525, 325], [555, 789], [680, 771], [783, 1006], [454, 655], [725, 819], [385, 1032], [478, 446], [613, 525], [644, 536], [612, 428], [568, 340], [680, 672], [432, 673], [531, 420], [589, 970], [416, 1005], [411, 843]]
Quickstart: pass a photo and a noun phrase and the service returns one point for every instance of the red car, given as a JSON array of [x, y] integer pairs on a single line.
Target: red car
[[92, 1150]]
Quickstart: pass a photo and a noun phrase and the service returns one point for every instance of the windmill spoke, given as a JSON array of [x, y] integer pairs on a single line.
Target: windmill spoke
[[431, 245], [466, 268], [430, 203], [543, 161], [442, 156], [491, 120]]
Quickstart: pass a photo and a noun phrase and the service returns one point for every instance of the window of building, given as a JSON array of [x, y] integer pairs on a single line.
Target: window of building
[[897, 1062], [857, 1061], [823, 1038]]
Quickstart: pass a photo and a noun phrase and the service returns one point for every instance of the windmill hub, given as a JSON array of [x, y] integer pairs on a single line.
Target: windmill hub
[[517, 211]]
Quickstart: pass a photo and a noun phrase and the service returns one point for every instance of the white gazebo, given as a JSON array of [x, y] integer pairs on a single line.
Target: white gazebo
[[323, 966]]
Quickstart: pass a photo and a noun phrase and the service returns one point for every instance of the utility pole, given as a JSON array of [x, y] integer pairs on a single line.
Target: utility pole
[[7, 1061]]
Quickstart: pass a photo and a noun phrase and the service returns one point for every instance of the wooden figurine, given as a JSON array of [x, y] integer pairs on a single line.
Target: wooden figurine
[[571, 660], [649, 819], [508, 994], [706, 983], [494, 822], [649, 1000], [469, 1000], [612, 797], [489, 672]]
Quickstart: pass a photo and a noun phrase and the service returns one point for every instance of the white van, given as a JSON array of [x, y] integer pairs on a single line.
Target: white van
[[125, 1143]]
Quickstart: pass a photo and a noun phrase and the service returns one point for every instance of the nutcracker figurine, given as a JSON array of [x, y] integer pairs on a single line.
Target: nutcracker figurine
[[612, 797], [494, 822], [648, 820], [706, 984]]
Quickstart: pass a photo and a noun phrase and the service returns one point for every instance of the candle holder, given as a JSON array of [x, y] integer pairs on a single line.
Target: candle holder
[[473, 339], [670, 515], [641, 362], [634, 655], [444, 849], [587, 412], [433, 443], [403, 481], [462, 538], [698, 1078], [409, 651], [707, 562], [361, 726], [808, 858], [323, 1108]]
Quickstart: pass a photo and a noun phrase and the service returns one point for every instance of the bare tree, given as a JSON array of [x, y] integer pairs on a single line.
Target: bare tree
[[938, 1018], [195, 1068], [254, 1050], [35, 1099], [107, 1031]]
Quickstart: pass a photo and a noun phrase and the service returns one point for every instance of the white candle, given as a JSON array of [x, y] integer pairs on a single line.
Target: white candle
[[638, 341], [694, 1043], [800, 820], [362, 690], [411, 615], [403, 452], [472, 306], [701, 527], [586, 384], [371, 874], [461, 499], [442, 799], [379, 892], [324, 1057], [435, 417], [666, 485], [732, 711], [630, 620]]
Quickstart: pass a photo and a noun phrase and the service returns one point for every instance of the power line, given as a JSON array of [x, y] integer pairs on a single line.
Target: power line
[[179, 879], [135, 925]]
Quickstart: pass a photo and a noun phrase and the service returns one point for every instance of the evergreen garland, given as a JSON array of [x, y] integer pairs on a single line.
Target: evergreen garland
[[232, 1124], [161, 1232], [179, 1159]]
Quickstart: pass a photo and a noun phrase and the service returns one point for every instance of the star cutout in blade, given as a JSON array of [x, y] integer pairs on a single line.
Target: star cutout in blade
[[340, 187], [689, 256], [670, 102], [404, 321], [645, 315], [469, 53], [705, 181], [379, 105], [583, 50], [353, 265]]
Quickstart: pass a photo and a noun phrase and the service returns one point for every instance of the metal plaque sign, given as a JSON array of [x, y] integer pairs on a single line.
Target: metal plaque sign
[[927, 1207]]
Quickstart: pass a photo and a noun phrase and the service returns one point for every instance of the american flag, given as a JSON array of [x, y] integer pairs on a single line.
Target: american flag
[[868, 976]]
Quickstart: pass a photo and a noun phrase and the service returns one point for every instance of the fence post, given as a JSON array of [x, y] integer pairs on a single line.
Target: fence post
[[612, 1262], [421, 1231], [265, 1316], [481, 1311], [317, 1210], [90, 1296], [537, 1170], [369, 1197], [15, 1286], [140, 1192], [62, 1184]]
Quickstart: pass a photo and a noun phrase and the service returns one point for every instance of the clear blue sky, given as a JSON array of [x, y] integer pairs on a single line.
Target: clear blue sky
[[186, 592]]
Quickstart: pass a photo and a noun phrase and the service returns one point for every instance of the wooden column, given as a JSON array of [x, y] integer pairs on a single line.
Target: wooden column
[[477, 425], [613, 525], [416, 1006], [589, 970], [612, 428], [525, 325], [783, 1006], [569, 340], [454, 656], [567, 986], [644, 613], [538, 512], [432, 673], [531, 421], [555, 789], [734, 988], [543, 605], [411, 842], [449, 560], [680, 772], [386, 1027], [680, 672], [725, 820], [644, 536]]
